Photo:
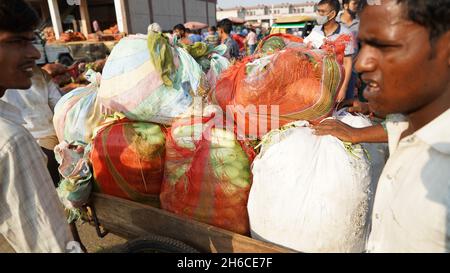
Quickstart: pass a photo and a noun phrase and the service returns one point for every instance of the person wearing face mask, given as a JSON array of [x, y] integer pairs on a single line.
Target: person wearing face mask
[[327, 11]]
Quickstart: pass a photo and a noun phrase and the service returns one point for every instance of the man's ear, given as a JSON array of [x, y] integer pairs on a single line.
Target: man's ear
[[345, 6], [441, 48], [447, 42]]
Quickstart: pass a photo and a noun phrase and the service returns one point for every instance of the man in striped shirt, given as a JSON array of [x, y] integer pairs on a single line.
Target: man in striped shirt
[[31, 216]]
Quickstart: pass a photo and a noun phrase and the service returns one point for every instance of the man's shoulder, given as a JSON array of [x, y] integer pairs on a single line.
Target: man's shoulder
[[344, 29], [12, 133], [317, 28]]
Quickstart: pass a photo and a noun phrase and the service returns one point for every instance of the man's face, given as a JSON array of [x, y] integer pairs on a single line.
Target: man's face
[[326, 10], [353, 6], [220, 32], [179, 33], [402, 71], [17, 59]]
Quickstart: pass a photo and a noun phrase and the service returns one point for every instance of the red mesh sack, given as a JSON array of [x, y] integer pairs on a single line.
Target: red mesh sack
[[128, 160]]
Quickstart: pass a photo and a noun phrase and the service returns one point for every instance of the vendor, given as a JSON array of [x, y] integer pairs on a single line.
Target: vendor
[[405, 62], [37, 106], [31, 216]]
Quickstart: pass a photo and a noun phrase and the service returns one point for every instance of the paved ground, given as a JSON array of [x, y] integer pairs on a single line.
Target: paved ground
[[88, 236]]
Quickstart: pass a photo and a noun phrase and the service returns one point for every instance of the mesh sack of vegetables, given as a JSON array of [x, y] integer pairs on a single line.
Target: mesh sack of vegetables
[[78, 112], [268, 92], [276, 42], [207, 174], [128, 160]]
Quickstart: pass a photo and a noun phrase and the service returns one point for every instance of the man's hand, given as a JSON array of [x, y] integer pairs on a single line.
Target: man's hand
[[337, 129], [355, 106]]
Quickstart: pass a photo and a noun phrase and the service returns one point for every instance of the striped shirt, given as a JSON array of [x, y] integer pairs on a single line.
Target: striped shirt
[[31, 216]]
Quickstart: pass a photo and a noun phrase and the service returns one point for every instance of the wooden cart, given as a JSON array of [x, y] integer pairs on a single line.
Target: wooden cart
[[133, 220]]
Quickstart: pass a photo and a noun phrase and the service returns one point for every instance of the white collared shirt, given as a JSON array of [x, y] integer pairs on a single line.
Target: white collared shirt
[[36, 104], [412, 202], [31, 216]]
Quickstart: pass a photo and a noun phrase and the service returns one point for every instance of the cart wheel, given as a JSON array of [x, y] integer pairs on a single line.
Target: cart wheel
[[153, 244]]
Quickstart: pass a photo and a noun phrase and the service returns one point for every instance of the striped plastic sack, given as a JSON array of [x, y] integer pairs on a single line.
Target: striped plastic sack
[[77, 114], [131, 84]]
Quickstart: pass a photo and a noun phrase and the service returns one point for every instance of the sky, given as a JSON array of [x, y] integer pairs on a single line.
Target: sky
[[234, 3]]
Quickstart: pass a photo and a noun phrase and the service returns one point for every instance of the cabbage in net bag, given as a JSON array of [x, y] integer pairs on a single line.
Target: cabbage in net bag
[[207, 174]]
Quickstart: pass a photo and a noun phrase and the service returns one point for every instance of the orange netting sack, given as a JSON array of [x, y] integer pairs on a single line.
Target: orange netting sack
[[296, 83], [128, 160], [207, 174]]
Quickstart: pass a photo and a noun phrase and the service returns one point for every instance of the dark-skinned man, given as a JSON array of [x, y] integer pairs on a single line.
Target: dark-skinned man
[[405, 62]]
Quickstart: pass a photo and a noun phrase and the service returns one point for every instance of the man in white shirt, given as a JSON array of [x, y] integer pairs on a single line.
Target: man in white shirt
[[31, 216], [36, 105], [405, 62], [327, 28]]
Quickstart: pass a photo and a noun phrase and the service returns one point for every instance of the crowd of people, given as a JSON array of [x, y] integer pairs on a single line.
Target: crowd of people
[[240, 41], [399, 50]]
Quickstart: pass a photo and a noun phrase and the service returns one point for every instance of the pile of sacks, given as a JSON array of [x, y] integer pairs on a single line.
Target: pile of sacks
[[120, 118], [140, 132]]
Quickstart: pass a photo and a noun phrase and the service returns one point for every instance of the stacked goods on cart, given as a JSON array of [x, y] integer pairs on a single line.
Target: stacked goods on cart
[[317, 190], [128, 160], [207, 173]]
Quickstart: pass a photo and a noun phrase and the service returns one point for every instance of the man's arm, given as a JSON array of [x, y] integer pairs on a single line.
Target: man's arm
[[54, 95], [336, 128], [31, 216], [348, 65]]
